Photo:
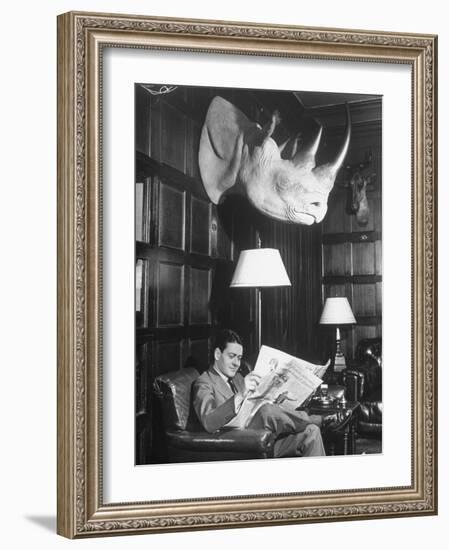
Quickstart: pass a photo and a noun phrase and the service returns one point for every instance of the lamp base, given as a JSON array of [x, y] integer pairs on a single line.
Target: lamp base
[[340, 362]]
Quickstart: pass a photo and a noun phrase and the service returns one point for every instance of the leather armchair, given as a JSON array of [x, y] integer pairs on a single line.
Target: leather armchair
[[363, 380], [187, 441]]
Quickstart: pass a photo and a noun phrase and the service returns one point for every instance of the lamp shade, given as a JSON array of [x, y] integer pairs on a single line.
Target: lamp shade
[[337, 311], [260, 267]]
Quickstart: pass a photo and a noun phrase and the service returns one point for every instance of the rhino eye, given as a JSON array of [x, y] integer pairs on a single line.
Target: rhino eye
[[282, 183]]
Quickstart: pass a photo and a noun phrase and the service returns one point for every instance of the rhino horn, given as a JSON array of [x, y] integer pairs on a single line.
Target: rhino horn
[[335, 166], [327, 173], [305, 157]]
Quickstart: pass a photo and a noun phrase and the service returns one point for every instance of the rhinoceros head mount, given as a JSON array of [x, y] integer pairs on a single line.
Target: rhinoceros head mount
[[283, 182]]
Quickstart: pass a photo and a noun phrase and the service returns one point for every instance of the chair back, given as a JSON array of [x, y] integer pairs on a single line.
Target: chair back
[[174, 392], [369, 349]]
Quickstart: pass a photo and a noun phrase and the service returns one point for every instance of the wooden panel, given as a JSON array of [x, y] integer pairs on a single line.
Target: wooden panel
[[363, 258], [336, 219], [142, 209], [336, 259], [139, 210], [193, 145], [199, 296], [141, 302], [198, 353], [364, 300], [379, 297], [143, 403], [364, 331], [173, 138], [200, 226], [224, 232], [376, 204], [170, 302], [142, 118], [378, 249], [142, 377], [168, 356], [155, 130], [334, 291], [171, 217]]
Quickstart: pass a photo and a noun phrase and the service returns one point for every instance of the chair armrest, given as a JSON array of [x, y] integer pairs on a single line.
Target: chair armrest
[[229, 440], [354, 381]]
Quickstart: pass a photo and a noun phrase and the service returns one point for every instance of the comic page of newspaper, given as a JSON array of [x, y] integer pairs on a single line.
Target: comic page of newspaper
[[285, 380]]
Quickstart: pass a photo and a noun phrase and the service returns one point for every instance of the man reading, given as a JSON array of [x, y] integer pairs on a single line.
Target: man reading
[[219, 392]]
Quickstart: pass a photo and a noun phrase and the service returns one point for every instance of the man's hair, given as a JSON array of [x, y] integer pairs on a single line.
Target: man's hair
[[224, 337]]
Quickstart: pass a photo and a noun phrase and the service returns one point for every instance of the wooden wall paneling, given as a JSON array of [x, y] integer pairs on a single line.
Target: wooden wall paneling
[[336, 219], [379, 299], [334, 290], [169, 355], [223, 226], [170, 295], [200, 226], [143, 397], [199, 353], [378, 261], [364, 301], [142, 305], [365, 331], [364, 258], [290, 315], [172, 216], [192, 148], [155, 126], [337, 259], [375, 202], [142, 129], [199, 296], [139, 210], [173, 137], [143, 198]]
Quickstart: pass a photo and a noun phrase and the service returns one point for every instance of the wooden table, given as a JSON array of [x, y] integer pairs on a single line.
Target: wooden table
[[342, 442]]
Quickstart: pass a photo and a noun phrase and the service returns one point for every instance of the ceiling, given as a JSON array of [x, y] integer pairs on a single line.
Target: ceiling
[[310, 100]]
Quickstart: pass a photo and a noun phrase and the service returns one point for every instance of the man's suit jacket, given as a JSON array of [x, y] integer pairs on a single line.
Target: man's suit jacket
[[213, 399]]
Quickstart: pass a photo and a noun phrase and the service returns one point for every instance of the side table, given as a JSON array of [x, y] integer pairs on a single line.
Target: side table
[[339, 441]]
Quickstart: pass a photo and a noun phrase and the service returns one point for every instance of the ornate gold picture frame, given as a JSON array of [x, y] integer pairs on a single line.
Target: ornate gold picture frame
[[83, 510]]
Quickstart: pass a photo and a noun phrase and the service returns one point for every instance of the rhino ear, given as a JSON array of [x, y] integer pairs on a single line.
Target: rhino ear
[[221, 145]]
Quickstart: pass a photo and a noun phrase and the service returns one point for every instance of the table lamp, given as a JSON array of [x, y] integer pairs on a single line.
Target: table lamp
[[338, 312], [258, 268]]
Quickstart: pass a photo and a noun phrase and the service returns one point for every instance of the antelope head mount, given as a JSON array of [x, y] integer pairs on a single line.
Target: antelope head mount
[[358, 179]]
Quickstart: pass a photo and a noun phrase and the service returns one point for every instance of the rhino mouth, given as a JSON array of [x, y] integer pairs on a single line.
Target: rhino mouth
[[298, 216]]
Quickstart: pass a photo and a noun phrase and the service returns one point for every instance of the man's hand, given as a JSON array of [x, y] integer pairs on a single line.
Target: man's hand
[[251, 382]]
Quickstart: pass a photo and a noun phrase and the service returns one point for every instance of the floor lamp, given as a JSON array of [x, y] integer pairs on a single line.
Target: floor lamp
[[258, 268]]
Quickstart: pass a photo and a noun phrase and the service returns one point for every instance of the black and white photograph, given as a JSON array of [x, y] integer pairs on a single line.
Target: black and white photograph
[[258, 274]]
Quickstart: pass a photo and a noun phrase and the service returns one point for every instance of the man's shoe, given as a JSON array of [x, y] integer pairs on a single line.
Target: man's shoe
[[336, 422]]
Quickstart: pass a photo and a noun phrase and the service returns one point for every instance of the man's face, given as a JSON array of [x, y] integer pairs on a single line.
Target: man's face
[[228, 360]]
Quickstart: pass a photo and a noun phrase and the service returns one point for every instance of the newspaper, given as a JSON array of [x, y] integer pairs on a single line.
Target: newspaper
[[286, 381]]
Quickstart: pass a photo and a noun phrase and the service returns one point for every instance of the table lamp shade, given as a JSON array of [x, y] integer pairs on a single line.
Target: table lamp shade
[[260, 267], [337, 311]]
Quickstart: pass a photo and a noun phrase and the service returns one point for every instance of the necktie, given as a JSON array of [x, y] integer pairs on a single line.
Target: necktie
[[232, 385]]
